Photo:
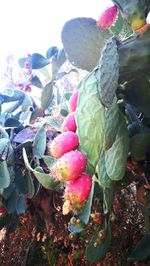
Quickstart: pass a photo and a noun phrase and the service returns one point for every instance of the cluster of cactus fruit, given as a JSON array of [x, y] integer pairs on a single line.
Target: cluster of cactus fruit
[[102, 130], [71, 164], [103, 113]]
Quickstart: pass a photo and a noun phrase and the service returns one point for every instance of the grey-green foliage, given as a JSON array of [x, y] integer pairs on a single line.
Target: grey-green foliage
[[61, 58], [30, 190], [111, 124], [103, 177], [45, 180], [96, 253], [115, 129], [83, 42], [4, 148], [39, 144], [113, 157], [47, 95], [108, 198], [108, 72], [90, 120], [27, 102], [116, 156], [4, 175], [101, 127]]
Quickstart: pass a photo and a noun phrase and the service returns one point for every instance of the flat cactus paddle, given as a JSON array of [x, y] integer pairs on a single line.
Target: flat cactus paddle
[[83, 42]]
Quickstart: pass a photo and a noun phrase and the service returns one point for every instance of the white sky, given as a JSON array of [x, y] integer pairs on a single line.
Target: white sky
[[28, 26]]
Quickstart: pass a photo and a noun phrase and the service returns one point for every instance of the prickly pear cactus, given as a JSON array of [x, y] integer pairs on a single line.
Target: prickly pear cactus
[[134, 12], [116, 156], [103, 177], [111, 124], [80, 37], [109, 72], [113, 157], [90, 120], [101, 127]]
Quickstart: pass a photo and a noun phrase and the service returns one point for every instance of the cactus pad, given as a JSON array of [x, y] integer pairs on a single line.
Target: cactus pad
[[103, 177], [90, 120], [116, 156], [109, 72], [111, 125], [83, 42]]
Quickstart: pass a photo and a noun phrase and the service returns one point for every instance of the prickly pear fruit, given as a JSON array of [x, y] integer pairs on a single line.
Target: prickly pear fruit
[[98, 218], [134, 12], [138, 25], [72, 104], [143, 29], [3, 212], [76, 193], [64, 143], [70, 166], [69, 123], [107, 18]]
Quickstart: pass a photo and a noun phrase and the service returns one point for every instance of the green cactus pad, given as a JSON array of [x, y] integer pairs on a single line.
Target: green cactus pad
[[109, 72], [4, 175], [90, 121], [112, 120], [104, 179], [116, 156], [83, 42], [97, 253]]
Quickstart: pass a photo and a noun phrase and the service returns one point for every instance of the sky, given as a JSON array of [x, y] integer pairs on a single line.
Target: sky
[[28, 26]]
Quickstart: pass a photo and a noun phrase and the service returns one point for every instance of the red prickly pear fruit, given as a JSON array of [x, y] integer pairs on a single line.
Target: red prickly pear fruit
[[69, 167], [69, 123], [72, 104], [107, 18], [3, 212], [64, 143], [98, 218], [76, 193]]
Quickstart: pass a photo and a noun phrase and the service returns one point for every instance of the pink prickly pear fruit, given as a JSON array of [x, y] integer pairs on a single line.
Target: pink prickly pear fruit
[[107, 18], [69, 123], [69, 167], [76, 193], [72, 104], [64, 143]]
